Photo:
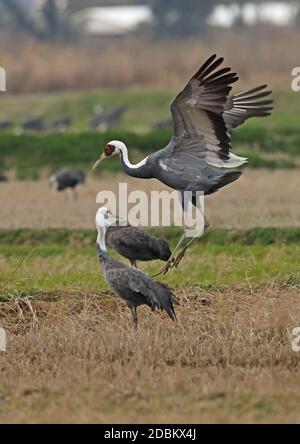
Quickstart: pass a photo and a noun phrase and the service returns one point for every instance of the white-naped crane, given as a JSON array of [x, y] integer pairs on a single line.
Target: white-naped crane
[[135, 244], [199, 152], [133, 286], [67, 178]]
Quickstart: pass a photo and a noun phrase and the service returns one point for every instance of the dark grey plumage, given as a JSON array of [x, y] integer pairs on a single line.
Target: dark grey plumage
[[67, 178], [162, 124], [136, 245], [106, 120], [5, 124], [199, 151], [133, 286], [3, 178], [244, 105], [34, 124], [61, 123]]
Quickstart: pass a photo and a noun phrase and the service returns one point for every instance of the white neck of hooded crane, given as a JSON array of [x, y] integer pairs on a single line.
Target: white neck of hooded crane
[[103, 221], [121, 149]]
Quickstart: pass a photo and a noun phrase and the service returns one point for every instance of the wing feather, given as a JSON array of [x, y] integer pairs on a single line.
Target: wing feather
[[199, 127], [244, 105]]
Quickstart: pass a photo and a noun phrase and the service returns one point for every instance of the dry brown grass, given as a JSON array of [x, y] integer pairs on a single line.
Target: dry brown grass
[[227, 359], [258, 198], [258, 55]]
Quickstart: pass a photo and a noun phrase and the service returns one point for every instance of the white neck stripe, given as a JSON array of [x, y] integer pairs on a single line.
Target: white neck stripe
[[127, 162]]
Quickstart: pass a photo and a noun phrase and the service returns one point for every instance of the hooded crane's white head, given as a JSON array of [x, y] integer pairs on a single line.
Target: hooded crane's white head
[[104, 218], [111, 149]]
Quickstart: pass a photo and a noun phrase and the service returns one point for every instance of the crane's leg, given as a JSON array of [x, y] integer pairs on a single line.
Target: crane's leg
[[133, 264], [171, 261], [134, 317], [174, 260], [181, 254]]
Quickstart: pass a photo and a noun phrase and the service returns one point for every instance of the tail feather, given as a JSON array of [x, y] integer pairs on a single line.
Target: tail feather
[[224, 179], [164, 299]]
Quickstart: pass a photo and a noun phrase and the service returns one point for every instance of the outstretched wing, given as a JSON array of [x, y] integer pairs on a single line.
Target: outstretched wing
[[241, 106], [200, 134]]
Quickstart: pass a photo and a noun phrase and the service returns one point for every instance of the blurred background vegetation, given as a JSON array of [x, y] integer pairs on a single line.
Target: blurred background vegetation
[[69, 58]]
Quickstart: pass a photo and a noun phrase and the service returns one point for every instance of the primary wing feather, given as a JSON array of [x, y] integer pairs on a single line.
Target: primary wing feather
[[200, 135], [244, 105]]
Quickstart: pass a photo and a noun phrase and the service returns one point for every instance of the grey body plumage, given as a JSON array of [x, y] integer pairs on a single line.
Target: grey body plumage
[[136, 245], [105, 120], [198, 157], [67, 178], [133, 286]]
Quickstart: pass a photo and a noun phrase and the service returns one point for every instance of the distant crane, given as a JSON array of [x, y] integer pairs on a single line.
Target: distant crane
[[204, 116], [105, 120], [5, 124], [136, 245], [34, 124], [61, 123], [132, 285], [162, 124], [67, 178]]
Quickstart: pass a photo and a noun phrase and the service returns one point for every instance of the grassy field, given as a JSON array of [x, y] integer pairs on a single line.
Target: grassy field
[[265, 198], [72, 355], [268, 143]]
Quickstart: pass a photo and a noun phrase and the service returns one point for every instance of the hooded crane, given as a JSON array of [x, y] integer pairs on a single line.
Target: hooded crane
[[136, 245], [199, 151], [67, 178], [130, 284]]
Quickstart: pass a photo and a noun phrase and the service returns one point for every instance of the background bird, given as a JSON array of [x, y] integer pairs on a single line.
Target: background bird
[[162, 124], [61, 123], [34, 124], [136, 245], [5, 124], [3, 178], [200, 148], [105, 120], [67, 178], [130, 284]]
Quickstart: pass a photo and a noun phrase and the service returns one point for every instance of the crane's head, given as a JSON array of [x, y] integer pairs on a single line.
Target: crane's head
[[111, 149], [104, 218]]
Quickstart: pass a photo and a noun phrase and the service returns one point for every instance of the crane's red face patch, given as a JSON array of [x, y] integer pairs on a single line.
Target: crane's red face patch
[[109, 149]]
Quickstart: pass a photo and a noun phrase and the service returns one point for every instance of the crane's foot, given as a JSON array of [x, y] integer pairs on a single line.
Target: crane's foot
[[168, 265], [179, 257]]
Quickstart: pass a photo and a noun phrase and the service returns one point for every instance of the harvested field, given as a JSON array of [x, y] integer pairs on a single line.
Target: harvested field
[[227, 359], [258, 198]]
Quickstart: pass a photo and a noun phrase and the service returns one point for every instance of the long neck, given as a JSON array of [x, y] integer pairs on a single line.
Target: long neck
[[101, 239], [141, 169]]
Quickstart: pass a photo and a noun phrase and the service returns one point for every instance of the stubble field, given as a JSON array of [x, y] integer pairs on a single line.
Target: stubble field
[[72, 355]]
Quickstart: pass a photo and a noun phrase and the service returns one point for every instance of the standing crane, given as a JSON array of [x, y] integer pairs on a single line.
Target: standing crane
[[67, 178], [199, 151], [130, 284]]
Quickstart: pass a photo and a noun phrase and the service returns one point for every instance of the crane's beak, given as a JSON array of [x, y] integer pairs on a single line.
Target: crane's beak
[[101, 158]]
